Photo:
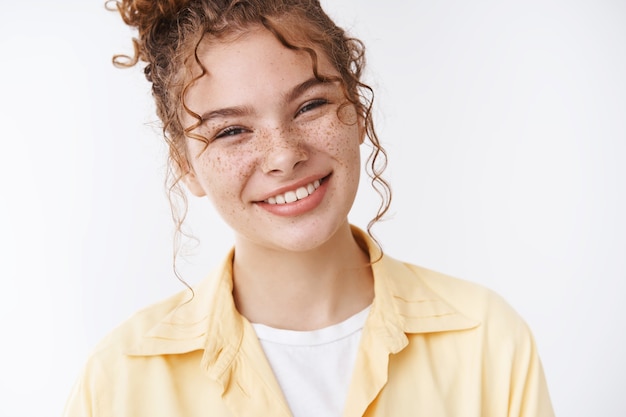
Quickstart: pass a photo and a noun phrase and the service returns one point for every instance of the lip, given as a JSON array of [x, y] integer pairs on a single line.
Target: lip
[[297, 207], [294, 186]]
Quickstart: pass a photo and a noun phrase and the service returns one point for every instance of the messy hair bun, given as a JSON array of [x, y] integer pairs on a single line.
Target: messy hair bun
[[170, 31], [146, 16], [142, 13]]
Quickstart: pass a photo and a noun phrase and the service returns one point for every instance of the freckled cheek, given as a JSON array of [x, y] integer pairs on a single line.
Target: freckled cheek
[[226, 172], [341, 141]]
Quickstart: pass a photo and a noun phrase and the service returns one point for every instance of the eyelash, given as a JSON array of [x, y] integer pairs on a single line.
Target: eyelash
[[311, 105], [236, 130], [230, 131]]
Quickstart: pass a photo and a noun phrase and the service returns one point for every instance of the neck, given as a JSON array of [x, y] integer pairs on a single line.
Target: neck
[[302, 290]]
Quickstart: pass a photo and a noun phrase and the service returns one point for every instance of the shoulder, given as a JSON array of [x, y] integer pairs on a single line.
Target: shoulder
[[474, 301], [497, 351], [177, 324], [418, 292], [131, 331], [494, 326], [469, 297]]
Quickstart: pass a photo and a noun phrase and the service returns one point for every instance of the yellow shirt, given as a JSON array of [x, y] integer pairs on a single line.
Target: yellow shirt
[[432, 346]]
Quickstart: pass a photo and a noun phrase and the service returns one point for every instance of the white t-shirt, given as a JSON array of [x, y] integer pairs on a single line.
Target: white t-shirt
[[314, 368]]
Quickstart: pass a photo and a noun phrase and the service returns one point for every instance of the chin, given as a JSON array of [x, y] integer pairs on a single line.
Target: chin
[[309, 238], [297, 237]]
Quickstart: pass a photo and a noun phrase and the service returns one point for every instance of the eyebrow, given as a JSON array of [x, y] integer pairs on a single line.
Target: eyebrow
[[238, 111], [226, 112], [301, 88]]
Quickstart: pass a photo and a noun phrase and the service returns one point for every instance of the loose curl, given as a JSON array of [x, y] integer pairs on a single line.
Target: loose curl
[[169, 34]]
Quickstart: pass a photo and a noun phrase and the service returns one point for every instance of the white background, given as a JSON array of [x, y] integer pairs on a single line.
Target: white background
[[506, 128]]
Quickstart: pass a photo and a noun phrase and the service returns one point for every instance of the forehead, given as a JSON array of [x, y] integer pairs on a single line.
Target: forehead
[[232, 54], [253, 60]]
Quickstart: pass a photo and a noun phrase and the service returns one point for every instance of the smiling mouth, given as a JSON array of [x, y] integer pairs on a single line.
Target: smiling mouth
[[295, 195]]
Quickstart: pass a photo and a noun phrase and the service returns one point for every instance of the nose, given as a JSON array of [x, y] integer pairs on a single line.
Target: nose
[[284, 152]]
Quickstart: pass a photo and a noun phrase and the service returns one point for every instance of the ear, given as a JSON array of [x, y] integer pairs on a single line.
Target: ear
[[192, 183]]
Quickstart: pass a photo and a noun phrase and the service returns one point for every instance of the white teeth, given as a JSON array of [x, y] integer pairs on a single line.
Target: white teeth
[[302, 192], [291, 196]]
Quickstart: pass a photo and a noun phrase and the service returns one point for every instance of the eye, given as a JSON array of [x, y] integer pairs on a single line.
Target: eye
[[313, 104], [230, 132]]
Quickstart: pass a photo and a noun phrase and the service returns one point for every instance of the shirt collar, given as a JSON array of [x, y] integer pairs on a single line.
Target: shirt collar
[[203, 321], [210, 321], [403, 303]]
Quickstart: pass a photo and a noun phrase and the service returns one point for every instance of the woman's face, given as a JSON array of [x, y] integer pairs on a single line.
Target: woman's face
[[282, 166]]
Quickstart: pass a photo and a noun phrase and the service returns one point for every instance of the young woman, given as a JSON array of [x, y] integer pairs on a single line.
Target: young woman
[[264, 112]]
